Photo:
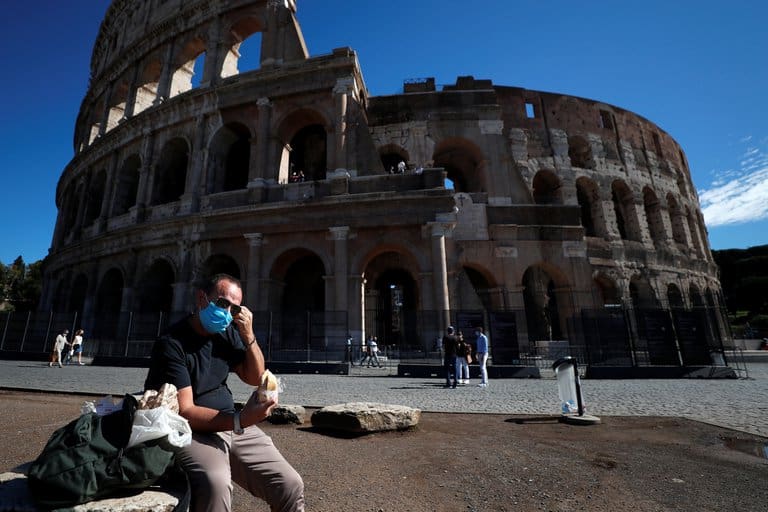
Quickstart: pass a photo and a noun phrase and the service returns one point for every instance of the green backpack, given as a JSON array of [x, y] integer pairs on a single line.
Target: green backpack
[[87, 460]]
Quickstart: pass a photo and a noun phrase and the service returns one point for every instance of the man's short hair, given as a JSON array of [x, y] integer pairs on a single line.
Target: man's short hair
[[449, 330], [209, 284]]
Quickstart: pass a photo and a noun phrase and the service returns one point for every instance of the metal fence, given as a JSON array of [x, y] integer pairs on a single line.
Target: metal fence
[[601, 337]]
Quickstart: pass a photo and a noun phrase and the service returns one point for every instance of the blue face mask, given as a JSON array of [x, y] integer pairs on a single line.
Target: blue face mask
[[215, 319]]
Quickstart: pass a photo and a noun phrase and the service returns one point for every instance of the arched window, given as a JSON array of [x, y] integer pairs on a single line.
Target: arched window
[[171, 172], [546, 188], [127, 185], [653, 217], [580, 152]]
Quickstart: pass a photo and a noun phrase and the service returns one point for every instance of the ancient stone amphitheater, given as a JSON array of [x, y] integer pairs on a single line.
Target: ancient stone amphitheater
[[551, 220]]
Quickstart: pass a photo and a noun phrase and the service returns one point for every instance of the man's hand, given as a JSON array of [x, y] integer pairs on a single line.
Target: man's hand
[[244, 323], [255, 412]]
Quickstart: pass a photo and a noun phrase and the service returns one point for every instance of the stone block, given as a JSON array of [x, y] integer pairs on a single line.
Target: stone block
[[283, 414], [15, 497], [365, 417]]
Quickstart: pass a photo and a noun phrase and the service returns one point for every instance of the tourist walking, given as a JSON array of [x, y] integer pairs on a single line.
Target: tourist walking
[[449, 358], [58, 346], [463, 350], [481, 353], [77, 346], [371, 353]]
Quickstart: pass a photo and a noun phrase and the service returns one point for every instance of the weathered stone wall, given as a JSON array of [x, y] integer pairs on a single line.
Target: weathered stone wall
[[171, 181]]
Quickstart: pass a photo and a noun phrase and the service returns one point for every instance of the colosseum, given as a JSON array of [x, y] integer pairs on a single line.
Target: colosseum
[[556, 222]]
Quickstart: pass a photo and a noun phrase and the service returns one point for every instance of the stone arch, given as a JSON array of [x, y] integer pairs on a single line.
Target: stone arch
[[70, 206], [298, 277], [304, 139], [543, 307], [641, 293], [171, 172], [77, 294], [95, 115], [674, 297], [391, 155], [219, 264], [693, 230], [676, 218], [653, 216], [300, 272], [391, 297], [117, 103], [624, 208], [547, 188], [181, 79], [592, 216], [475, 289], [696, 299], [606, 291], [59, 300], [127, 185], [681, 186], [95, 197], [108, 304], [148, 81], [243, 29], [155, 289], [463, 162], [229, 158], [580, 152]]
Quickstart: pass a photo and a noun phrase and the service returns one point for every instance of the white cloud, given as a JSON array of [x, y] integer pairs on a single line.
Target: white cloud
[[737, 196]]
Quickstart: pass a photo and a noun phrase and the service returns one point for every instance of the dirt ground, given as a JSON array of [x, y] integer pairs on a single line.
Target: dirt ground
[[482, 462]]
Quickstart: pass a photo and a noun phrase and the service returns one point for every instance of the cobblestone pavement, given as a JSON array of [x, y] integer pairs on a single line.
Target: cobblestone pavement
[[740, 404]]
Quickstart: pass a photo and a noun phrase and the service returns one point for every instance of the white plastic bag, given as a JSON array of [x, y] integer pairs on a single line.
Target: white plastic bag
[[149, 424]]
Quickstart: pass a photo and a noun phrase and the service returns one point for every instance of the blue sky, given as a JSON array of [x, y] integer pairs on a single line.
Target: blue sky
[[699, 70]]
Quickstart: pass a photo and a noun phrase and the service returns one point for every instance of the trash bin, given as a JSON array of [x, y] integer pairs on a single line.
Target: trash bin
[[568, 386]]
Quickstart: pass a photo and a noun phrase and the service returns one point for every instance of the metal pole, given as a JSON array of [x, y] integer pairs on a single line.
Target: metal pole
[[48, 331], [74, 323], [579, 400], [24, 336], [128, 333], [159, 325], [309, 323], [5, 330], [269, 338]]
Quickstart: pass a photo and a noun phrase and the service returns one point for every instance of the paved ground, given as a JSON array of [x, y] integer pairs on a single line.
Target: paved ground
[[740, 404]]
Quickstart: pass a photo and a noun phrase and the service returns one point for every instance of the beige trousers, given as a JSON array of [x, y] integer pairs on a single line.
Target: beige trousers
[[214, 460]]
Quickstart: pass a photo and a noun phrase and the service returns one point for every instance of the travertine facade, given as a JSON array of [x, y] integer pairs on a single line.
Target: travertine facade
[[512, 200]]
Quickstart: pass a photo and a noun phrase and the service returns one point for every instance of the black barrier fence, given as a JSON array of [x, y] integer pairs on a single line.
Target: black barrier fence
[[612, 336]]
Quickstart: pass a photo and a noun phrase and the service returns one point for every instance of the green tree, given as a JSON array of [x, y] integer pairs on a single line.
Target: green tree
[[20, 285]]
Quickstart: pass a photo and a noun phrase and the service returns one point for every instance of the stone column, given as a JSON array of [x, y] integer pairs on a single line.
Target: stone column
[[198, 163], [341, 93], [130, 101], [253, 281], [109, 193], [182, 287], [164, 84], [144, 192], [440, 271], [259, 167], [340, 237]]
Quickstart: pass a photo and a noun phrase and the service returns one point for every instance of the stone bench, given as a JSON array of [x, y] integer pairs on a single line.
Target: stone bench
[[15, 497]]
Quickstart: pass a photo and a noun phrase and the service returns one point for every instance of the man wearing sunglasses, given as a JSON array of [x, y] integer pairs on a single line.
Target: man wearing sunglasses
[[197, 355]]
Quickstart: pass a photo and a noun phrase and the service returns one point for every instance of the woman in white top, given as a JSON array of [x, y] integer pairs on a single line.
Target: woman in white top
[[77, 346]]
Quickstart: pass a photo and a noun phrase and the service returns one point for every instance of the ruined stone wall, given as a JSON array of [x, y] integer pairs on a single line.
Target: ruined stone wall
[[504, 187]]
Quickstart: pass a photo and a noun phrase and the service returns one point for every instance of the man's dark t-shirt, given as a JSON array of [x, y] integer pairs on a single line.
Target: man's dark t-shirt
[[184, 358], [449, 345]]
